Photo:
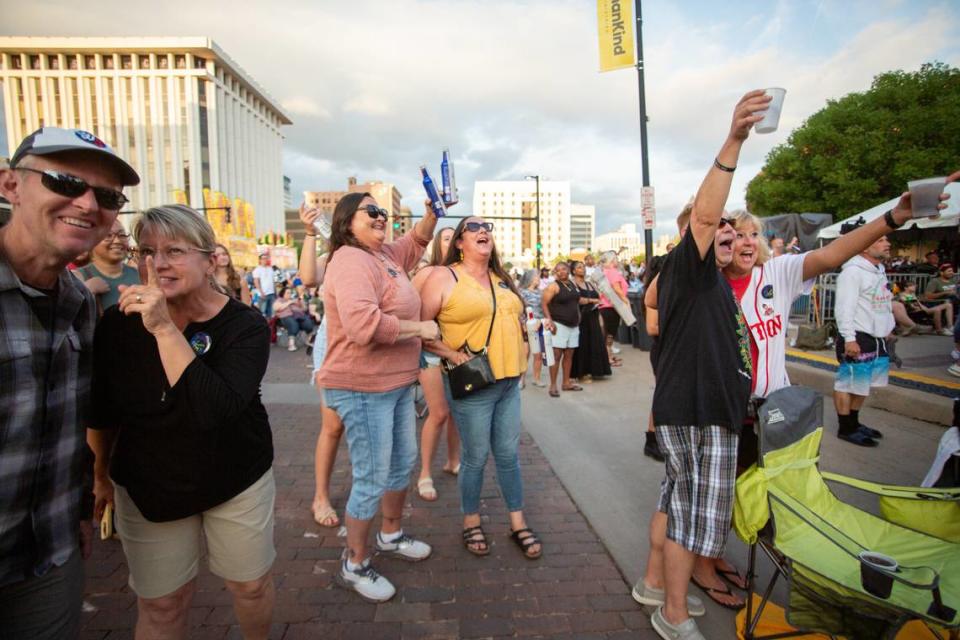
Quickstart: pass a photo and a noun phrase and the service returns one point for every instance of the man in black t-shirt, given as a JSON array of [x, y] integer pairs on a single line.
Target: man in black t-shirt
[[703, 384]]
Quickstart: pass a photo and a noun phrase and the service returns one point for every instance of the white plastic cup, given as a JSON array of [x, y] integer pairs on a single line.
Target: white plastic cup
[[771, 117], [311, 200], [925, 196]]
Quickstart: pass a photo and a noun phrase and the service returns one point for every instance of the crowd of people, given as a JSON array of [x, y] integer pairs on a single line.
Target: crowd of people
[[154, 364]]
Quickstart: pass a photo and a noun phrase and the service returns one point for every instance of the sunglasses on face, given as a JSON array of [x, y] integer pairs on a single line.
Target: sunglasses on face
[[68, 186], [726, 221], [474, 227], [374, 211]]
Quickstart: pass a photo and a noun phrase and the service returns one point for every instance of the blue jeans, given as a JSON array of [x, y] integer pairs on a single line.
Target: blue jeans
[[382, 437], [266, 304], [489, 420], [296, 325]]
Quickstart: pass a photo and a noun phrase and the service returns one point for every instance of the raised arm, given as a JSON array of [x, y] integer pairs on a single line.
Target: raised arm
[[712, 195], [309, 267], [848, 245]]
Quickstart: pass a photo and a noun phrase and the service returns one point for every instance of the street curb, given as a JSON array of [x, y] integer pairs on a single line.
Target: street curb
[[912, 403]]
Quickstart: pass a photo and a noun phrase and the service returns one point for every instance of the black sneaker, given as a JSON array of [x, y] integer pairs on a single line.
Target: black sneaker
[[652, 450], [858, 438], [873, 433]]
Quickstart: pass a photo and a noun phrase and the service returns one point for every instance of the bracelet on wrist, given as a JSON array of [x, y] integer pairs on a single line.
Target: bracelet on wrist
[[888, 218], [723, 167]]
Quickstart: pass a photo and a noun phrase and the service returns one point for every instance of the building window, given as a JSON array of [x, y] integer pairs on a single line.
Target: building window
[[53, 62], [108, 62], [35, 63], [126, 62], [90, 62], [72, 62], [16, 62], [163, 62], [181, 62], [144, 62], [199, 63]]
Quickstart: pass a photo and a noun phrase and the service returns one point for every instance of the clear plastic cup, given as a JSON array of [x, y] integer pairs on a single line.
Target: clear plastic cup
[[925, 196], [311, 200], [771, 117]]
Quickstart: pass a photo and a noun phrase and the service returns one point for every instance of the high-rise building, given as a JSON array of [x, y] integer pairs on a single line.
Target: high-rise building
[[287, 194], [582, 224], [516, 239], [626, 238], [184, 114]]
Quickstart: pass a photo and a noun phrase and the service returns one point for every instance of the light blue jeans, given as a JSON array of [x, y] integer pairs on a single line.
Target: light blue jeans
[[489, 421], [382, 437]]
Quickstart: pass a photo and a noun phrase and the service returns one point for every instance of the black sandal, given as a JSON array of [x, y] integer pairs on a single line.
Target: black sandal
[[471, 541], [525, 542]]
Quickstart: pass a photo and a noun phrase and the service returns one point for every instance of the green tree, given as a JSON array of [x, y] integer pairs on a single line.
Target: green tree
[[863, 148]]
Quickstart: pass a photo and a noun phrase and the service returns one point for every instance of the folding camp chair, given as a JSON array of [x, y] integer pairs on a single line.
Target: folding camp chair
[[785, 509]]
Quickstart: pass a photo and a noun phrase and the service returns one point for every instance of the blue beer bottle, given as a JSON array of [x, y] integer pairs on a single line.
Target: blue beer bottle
[[436, 202]]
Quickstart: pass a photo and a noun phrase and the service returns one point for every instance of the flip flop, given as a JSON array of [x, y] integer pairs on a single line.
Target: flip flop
[[710, 591], [733, 576], [326, 517], [554, 394], [454, 472], [426, 490], [573, 387]]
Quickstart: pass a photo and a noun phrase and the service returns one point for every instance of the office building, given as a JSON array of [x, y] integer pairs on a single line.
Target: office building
[[180, 110], [582, 225], [626, 238], [517, 239]]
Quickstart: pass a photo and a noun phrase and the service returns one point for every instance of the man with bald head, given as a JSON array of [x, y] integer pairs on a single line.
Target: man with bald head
[[64, 187]]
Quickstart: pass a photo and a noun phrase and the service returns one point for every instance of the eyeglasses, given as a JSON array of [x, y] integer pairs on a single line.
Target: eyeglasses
[[374, 211], [726, 221], [474, 227], [68, 186], [173, 255], [123, 236]]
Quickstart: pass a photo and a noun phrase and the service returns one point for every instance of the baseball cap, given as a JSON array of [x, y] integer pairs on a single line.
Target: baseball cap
[[49, 140], [945, 266]]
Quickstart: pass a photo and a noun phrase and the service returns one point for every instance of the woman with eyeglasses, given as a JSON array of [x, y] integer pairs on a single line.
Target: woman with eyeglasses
[[227, 276], [107, 269], [182, 441], [374, 336], [431, 381], [474, 301]]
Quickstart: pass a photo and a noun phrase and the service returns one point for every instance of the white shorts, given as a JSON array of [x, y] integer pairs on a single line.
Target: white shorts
[[566, 337], [164, 556]]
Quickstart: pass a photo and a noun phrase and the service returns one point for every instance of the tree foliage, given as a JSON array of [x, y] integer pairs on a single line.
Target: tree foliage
[[863, 148]]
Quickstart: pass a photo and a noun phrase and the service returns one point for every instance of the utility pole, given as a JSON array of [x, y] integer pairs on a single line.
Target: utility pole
[[647, 233]]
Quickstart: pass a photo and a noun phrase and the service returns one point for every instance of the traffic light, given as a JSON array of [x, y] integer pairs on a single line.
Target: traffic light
[[539, 246], [396, 225]]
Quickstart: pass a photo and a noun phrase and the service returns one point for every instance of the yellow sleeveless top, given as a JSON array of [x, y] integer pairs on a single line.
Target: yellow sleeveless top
[[465, 318]]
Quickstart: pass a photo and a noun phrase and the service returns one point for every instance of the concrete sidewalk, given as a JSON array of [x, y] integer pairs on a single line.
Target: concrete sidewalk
[[574, 591]]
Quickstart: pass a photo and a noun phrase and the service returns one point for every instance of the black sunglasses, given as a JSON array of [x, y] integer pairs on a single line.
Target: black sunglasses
[[68, 186], [726, 221], [473, 227], [374, 211]]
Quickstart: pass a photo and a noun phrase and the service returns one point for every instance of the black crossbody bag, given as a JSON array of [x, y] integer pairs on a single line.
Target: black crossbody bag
[[474, 374]]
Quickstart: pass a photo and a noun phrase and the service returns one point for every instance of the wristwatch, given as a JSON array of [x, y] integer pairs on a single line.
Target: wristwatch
[[888, 218]]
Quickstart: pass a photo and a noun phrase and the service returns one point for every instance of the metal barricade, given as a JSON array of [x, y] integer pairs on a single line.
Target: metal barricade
[[823, 303]]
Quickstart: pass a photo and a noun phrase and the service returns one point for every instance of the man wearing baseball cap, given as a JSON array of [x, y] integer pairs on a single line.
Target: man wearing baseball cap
[[64, 187]]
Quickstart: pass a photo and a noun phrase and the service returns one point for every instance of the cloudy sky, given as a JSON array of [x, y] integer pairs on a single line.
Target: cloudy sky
[[511, 86]]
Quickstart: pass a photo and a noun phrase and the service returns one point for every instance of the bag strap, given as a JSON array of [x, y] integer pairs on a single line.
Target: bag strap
[[493, 294]]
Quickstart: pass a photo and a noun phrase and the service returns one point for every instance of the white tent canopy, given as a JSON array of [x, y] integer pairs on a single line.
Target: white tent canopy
[[949, 217]]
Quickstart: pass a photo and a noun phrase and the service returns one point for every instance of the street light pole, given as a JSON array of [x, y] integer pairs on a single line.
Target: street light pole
[[647, 233], [536, 218]]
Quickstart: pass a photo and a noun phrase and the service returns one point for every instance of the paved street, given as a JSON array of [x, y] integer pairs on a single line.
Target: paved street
[[574, 591]]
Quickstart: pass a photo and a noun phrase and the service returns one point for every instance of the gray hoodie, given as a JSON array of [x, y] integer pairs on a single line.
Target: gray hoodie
[[863, 300]]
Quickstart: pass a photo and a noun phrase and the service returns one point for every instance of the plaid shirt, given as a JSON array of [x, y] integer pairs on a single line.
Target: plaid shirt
[[45, 464]]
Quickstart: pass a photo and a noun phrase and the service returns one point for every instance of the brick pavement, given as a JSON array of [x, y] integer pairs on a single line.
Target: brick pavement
[[573, 591]]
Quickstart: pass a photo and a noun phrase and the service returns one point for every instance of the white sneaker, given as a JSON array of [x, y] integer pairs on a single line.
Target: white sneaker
[[945, 332], [369, 584], [954, 370], [686, 630], [955, 355], [656, 597], [291, 344], [404, 547], [615, 350]]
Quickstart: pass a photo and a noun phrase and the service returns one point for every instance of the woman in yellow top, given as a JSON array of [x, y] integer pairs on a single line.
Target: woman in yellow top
[[460, 298]]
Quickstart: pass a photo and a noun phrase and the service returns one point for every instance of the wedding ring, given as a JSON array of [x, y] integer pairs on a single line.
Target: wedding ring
[[139, 298]]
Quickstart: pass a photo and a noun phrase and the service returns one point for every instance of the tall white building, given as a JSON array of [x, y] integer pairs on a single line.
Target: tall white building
[[184, 114], [518, 238], [625, 237], [583, 218]]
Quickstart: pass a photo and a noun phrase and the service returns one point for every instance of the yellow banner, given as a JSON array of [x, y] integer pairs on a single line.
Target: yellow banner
[[615, 29]]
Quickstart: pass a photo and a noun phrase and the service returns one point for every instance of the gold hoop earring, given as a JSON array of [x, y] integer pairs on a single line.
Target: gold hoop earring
[[461, 255]]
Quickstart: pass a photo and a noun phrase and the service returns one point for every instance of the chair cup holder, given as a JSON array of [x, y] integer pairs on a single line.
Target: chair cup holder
[[876, 573]]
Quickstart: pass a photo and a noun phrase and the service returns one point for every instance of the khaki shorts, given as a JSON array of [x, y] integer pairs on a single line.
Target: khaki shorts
[[164, 556]]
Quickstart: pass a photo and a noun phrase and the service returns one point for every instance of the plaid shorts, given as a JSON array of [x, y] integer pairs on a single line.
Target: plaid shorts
[[697, 492]]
